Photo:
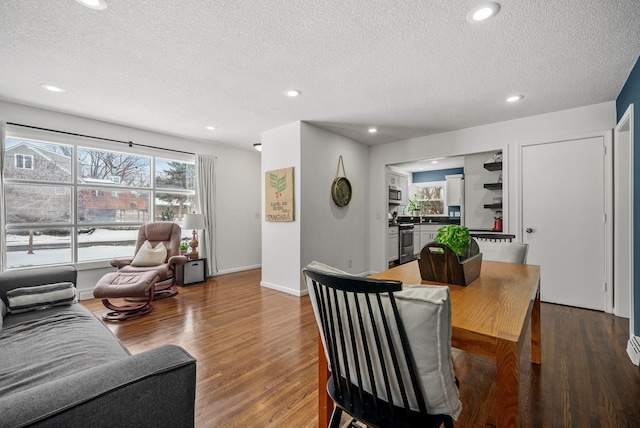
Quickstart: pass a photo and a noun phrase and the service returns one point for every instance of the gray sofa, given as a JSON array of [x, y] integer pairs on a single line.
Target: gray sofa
[[62, 367]]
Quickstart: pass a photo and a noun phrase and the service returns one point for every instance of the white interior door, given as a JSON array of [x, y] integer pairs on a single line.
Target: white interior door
[[563, 208]]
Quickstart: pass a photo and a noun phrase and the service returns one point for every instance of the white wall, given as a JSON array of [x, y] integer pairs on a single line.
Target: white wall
[[502, 135], [321, 231], [281, 240], [238, 218], [237, 194], [331, 234]]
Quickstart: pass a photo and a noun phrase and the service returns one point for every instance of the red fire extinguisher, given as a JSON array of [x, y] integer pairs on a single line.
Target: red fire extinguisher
[[497, 221]]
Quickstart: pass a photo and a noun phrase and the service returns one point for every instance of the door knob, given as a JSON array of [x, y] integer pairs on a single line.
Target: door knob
[[528, 230]]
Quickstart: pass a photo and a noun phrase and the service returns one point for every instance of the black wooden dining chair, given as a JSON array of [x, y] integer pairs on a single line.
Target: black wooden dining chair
[[373, 373]]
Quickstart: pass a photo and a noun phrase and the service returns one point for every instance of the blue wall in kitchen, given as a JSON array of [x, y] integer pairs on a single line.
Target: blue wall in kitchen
[[437, 175], [630, 94]]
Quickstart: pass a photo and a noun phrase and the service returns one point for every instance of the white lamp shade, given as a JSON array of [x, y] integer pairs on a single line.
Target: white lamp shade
[[194, 221]]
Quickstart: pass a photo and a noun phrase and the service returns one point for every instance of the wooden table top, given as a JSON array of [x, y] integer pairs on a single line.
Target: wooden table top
[[494, 306]]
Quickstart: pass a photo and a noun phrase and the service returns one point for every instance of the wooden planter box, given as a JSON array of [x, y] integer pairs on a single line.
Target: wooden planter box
[[439, 263]]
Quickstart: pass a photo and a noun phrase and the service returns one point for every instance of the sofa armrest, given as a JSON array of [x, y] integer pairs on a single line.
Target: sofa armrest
[[32, 277], [154, 388], [121, 262]]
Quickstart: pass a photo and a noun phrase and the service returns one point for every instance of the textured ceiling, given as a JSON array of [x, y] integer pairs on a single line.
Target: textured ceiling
[[411, 68]]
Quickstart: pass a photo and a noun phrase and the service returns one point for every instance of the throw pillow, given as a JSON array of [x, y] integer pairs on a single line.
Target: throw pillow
[[148, 256], [26, 299]]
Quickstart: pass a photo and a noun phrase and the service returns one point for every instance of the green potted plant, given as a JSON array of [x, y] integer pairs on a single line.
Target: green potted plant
[[184, 246], [414, 206], [453, 257], [455, 237]]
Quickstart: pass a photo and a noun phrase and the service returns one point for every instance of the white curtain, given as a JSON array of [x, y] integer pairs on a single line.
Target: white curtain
[[206, 193], [3, 243]]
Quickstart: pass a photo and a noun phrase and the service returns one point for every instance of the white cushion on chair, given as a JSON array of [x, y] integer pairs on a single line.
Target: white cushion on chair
[[148, 256], [425, 311]]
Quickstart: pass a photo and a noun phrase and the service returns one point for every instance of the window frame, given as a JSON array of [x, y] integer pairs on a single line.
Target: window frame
[[76, 142], [22, 157], [443, 199]]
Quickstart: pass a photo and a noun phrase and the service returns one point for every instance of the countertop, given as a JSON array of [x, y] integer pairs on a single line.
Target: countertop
[[424, 220]]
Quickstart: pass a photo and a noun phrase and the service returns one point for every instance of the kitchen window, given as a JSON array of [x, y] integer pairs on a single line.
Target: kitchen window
[[431, 197], [84, 203]]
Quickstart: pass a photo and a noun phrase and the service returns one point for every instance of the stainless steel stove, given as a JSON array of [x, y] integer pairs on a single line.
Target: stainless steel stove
[[405, 241]]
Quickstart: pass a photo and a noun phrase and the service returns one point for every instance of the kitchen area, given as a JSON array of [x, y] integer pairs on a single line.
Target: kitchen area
[[425, 195]]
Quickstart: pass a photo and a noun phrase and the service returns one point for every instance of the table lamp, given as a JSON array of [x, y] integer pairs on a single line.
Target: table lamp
[[195, 222]]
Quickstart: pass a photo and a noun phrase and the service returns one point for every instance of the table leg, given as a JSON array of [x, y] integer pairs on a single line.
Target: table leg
[[325, 404], [508, 376], [536, 353]]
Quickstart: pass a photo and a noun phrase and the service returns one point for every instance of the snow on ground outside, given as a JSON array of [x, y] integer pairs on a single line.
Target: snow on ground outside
[[118, 248]]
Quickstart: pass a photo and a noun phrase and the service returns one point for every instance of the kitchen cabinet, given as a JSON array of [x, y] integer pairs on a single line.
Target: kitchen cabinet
[[454, 190], [427, 233], [393, 244], [404, 189], [399, 181]]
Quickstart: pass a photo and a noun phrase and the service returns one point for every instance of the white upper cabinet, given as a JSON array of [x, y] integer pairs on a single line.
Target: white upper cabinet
[[401, 182], [455, 190]]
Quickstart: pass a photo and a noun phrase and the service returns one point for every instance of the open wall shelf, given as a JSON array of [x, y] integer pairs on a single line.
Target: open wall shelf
[[493, 186], [493, 166]]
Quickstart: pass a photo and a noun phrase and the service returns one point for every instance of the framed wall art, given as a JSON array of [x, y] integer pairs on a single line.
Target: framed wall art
[[279, 203]]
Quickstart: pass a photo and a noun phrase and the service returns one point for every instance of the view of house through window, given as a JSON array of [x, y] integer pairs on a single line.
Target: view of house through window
[[54, 215]]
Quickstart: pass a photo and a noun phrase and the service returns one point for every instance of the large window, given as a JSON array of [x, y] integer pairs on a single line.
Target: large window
[[55, 215]]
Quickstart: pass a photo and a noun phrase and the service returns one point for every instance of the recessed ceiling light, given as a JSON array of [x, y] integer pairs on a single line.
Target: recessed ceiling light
[[483, 12], [94, 4], [373, 130], [514, 98], [211, 128], [258, 146], [292, 93], [434, 162], [52, 88]]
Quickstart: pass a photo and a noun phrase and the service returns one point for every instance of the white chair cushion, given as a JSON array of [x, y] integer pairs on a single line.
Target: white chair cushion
[[148, 256], [511, 252], [425, 311]]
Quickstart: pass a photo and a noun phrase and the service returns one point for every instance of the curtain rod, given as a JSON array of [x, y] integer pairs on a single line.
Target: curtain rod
[[129, 143]]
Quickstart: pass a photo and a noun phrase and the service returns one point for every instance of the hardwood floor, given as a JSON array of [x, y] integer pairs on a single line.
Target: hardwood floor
[[257, 360]]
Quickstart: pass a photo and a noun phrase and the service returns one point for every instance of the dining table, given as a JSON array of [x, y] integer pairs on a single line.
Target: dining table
[[491, 316]]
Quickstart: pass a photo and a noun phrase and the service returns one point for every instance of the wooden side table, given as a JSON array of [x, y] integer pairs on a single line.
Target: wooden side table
[[192, 272]]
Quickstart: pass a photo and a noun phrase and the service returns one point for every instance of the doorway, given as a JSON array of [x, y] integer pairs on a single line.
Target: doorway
[[623, 216]]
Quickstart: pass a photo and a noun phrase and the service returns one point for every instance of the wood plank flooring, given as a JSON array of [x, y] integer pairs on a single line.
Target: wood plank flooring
[[257, 357]]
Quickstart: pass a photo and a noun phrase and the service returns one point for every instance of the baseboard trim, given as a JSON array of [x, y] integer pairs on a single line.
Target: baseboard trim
[[297, 293], [633, 349], [85, 294], [238, 269]]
